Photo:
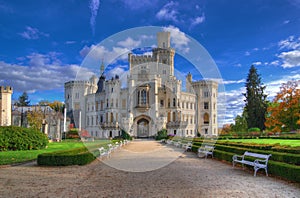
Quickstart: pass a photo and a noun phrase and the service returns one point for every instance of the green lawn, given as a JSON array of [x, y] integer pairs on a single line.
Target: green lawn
[[11, 157], [282, 142]]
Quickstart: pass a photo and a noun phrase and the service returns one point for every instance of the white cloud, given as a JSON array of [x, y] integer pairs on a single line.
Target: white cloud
[[286, 21], [247, 53], [40, 77], [227, 82], [291, 43], [290, 59], [32, 33], [110, 56], [257, 63], [70, 42], [178, 38], [275, 63], [129, 43], [94, 6], [198, 20], [168, 12]]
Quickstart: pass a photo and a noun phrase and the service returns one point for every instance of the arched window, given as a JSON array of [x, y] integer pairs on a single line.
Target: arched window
[[144, 97], [174, 102], [169, 116], [206, 118], [174, 116]]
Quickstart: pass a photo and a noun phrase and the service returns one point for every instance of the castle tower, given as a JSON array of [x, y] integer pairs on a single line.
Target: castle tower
[[164, 54], [5, 105]]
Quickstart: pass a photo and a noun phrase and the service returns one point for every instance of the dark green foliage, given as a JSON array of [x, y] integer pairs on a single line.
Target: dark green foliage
[[72, 134], [78, 156], [125, 135], [240, 124], [19, 138], [256, 103], [23, 100], [283, 170], [254, 129], [162, 134]]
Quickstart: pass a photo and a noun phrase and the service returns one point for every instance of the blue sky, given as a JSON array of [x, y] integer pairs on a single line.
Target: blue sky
[[43, 43]]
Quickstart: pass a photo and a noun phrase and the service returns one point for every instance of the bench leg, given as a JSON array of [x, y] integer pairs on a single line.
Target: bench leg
[[266, 172], [255, 170]]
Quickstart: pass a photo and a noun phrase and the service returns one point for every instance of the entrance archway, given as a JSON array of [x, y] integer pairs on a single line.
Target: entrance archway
[[142, 128]]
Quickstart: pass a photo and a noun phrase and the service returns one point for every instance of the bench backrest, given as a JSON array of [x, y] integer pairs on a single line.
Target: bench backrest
[[257, 155], [209, 148]]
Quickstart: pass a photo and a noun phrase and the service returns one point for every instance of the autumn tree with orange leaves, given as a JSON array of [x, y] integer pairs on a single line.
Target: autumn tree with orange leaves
[[284, 113]]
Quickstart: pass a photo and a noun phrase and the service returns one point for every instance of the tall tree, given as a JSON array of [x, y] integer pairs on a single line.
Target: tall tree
[[23, 100], [240, 124], [35, 118], [57, 106], [256, 103], [284, 112]]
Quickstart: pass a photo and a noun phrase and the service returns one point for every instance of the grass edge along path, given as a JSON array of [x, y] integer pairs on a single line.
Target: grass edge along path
[[16, 157], [281, 142]]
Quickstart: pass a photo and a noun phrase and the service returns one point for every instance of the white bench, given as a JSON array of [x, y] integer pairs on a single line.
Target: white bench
[[261, 161], [187, 146], [104, 152], [205, 151]]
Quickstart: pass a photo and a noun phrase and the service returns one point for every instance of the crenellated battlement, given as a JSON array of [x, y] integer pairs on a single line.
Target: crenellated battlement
[[140, 59], [7, 89]]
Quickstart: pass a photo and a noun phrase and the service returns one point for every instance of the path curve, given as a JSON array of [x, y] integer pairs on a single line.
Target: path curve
[[187, 176]]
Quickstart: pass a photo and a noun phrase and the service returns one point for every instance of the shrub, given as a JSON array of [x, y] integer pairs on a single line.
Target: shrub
[[19, 138], [78, 156], [162, 134], [254, 129], [72, 134]]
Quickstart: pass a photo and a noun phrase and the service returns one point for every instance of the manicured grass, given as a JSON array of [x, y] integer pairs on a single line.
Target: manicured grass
[[12, 157], [282, 142]]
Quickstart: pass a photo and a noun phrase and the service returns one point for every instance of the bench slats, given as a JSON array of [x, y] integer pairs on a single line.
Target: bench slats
[[261, 161]]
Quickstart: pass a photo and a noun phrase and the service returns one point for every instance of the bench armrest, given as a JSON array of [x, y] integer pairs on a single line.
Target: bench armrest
[[259, 161], [235, 157]]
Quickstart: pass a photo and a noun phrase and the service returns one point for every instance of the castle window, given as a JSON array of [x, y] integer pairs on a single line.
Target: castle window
[[112, 90], [206, 104], [106, 102], [206, 131], [175, 132], [101, 118], [123, 103], [161, 103], [174, 102], [206, 94], [206, 118], [174, 116], [144, 97], [169, 102], [169, 116]]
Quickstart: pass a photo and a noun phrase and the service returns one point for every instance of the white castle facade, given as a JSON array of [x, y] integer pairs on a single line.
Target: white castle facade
[[5, 105], [153, 99]]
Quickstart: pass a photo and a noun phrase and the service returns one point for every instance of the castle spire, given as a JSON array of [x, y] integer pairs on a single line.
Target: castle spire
[[102, 68]]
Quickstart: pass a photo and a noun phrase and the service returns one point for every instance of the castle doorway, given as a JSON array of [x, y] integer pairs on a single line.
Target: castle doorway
[[143, 128]]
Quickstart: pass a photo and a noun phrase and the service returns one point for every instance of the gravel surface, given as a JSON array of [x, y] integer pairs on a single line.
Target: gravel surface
[[152, 170]]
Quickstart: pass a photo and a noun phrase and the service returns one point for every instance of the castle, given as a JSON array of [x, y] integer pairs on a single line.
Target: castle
[[153, 99], [5, 105]]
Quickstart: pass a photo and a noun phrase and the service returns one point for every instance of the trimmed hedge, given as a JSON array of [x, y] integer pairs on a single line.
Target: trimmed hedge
[[276, 156], [19, 138], [269, 147], [78, 156], [280, 169]]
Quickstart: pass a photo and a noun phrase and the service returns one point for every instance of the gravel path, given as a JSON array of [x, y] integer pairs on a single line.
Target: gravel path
[[148, 174]]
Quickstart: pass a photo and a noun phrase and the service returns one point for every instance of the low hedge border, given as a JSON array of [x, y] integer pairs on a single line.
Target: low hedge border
[[78, 156], [276, 156], [269, 147], [280, 169]]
